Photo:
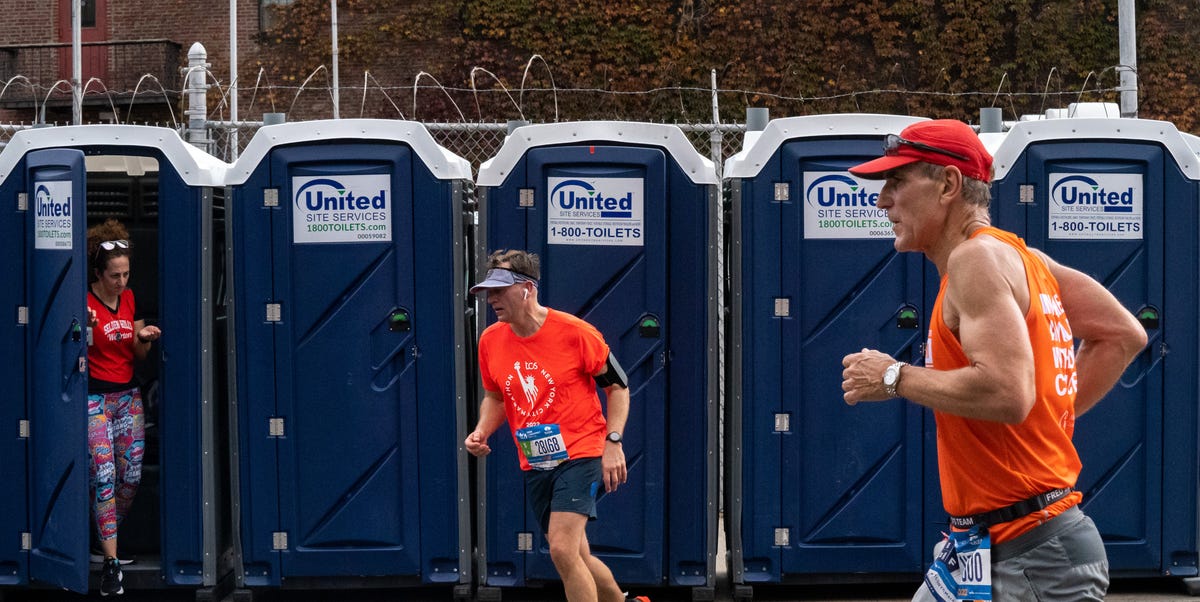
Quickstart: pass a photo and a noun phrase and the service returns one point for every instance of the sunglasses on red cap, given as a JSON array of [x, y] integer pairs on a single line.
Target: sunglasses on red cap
[[892, 144]]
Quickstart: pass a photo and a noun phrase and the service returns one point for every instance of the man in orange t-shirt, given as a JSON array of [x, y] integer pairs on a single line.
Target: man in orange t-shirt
[[1002, 375], [540, 368]]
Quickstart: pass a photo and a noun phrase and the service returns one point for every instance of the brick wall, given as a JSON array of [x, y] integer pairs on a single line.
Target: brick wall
[[186, 22], [29, 21]]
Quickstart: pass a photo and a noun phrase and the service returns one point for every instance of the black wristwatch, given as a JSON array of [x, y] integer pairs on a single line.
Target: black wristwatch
[[614, 437]]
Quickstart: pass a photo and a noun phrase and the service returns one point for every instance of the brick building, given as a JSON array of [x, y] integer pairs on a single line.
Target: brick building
[[134, 53]]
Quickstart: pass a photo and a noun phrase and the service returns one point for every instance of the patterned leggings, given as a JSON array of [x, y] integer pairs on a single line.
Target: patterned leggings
[[116, 439]]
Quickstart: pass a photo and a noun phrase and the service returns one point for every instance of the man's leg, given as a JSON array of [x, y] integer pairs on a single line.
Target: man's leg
[[567, 542], [1070, 564], [607, 589]]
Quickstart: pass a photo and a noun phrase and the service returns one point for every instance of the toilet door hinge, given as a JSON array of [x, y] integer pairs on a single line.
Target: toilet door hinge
[[783, 191], [22, 201], [1026, 191], [279, 540], [23, 429], [270, 197], [525, 197], [274, 312], [275, 427], [783, 307]]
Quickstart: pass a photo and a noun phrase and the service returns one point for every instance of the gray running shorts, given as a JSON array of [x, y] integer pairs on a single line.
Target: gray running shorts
[[1062, 559]]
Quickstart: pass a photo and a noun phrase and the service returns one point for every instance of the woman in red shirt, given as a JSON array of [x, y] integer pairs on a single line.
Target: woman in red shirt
[[116, 425]]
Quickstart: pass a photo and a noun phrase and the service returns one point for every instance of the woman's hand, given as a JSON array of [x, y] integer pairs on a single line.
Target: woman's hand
[[148, 334]]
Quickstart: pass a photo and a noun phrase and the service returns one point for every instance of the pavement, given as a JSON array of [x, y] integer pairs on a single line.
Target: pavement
[[1122, 590]]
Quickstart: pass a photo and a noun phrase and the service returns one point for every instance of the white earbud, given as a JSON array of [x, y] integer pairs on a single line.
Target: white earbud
[[526, 296]]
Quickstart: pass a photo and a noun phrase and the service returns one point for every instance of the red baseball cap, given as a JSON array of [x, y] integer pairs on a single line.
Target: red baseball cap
[[939, 141]]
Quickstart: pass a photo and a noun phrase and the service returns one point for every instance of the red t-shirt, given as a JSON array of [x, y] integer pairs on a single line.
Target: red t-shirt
[[546, 378], [110, 356]]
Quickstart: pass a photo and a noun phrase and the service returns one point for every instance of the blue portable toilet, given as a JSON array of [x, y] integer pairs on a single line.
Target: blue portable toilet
[[348, 276], [816, 489], [647, 278], [1117, 199], [57, 181]]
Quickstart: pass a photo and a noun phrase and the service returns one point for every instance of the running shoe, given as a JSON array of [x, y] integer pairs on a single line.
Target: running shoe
[[110, 579]]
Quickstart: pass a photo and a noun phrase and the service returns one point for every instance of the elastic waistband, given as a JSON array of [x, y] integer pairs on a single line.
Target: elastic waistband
[[1036, 536]]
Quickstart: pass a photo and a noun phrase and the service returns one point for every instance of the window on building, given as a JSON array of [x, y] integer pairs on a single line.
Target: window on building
[[87, 13], [269, 13]]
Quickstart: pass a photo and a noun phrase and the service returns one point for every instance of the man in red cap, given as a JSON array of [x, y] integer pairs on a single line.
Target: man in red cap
[[1002, 375]]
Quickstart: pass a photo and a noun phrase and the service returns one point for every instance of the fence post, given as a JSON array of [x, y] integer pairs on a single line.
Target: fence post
[[197, 95], [715, 137]]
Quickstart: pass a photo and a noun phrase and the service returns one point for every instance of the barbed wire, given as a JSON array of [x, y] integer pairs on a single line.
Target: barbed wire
[[650, 91]]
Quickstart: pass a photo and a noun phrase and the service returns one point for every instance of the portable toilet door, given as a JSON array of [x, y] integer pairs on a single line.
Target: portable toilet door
[[176, 518], [348, 278], [815, 487], [54, 524], [643, 273], [57, 378], [1116, 199], [13, 370]]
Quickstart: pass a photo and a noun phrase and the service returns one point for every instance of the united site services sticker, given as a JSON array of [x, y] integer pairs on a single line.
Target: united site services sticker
[[596, 211], [342, 208]]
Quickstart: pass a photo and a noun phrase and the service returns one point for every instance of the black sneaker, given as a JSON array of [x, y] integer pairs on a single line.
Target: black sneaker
[[110, 578]]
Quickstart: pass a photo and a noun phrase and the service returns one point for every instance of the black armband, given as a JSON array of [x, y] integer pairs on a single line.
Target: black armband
[[613, 375]]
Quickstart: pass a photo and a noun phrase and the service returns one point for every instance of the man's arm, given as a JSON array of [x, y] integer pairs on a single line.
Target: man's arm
[[1109, 336], [986, 280], [613, 460], [491, 416]]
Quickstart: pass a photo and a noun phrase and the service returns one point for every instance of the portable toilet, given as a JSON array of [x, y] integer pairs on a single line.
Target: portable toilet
[[1117, 199], [58, 181], [816, 489], [348, 370], [644, 272]]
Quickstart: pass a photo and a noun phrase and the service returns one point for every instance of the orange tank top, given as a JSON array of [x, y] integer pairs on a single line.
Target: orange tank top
[[987, 465]]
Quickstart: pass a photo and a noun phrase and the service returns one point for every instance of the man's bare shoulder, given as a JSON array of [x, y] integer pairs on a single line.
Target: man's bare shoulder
[[984, 256], [982, 271]]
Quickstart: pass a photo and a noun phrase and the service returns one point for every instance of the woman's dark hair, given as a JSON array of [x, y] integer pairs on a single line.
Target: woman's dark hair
[[105, 241]]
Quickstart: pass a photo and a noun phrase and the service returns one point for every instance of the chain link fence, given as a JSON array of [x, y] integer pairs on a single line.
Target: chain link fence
[[478, 142]]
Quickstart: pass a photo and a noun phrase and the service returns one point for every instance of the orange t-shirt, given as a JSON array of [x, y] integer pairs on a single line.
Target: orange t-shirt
[[988, 465], [546, 378]]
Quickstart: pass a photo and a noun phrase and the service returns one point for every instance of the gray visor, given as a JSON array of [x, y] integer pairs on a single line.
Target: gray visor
[[500, 278]]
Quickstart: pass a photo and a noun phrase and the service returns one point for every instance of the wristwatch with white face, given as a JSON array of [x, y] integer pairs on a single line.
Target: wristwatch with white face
[[891, 378], [614, 437]]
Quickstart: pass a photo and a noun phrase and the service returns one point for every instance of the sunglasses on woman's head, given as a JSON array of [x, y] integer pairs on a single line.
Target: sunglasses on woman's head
[[109, 245]]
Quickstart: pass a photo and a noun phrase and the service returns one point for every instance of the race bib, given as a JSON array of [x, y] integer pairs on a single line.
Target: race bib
[[543, 446], [962, 569]]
